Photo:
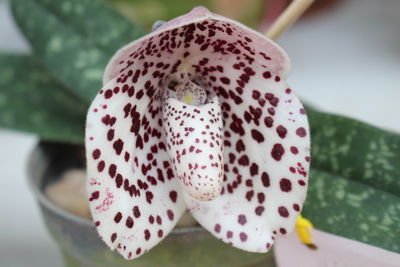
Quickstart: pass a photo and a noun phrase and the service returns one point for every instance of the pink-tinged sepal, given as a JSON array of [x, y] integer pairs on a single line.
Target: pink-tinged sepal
[[214, 28]]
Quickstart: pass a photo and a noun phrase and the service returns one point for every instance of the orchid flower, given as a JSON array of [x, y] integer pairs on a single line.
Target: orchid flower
[[197, 115]]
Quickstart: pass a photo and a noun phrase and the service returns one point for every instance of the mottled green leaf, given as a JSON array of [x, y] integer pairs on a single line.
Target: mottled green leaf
[[31, 101], [97, 21], [66, 49], [354, 210], [355, 150]]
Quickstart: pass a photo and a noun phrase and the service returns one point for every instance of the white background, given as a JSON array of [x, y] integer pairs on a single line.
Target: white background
[[346, 61]]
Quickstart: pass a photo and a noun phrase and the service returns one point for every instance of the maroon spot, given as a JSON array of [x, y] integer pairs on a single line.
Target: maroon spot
[[138, 251], [127, 156], [151, 219], [249, 183], [170, 214], [265, 179], [160, 233], [118, 217], [159, 220], [269, 121], [149, 196], [283, 231], [173, 195], [259, 210], [296, 207], [256, 94], [118, 146], [242, 219], [96, 153], [253, 169], [147, 234], [243, 237], [112, 170], [277, 78], [225, 80], [301, 132], [294, 150], [118, 180], [283, 211], [95, 195], [277, 152], [113, 237], [229, 234], [97, 223], [139, 94], [281, 130], [110, 134], [288, 91], [106, 119], [286, 185], [301, 182], [129, 222], [139, 142], [302, 111], [131, 91], [217, 228], [101, 165], [108, 94], [136, 211], [307, 159], [259, 137], [267, 75], [240, 146], [249, 195], [112, 121], [243, 160], [261, 197]]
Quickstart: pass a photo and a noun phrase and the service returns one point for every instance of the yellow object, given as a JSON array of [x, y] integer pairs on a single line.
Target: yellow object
[[303, 227], [188, 97]]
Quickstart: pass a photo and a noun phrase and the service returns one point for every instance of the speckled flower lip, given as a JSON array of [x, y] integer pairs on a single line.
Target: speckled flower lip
[[197, 115]]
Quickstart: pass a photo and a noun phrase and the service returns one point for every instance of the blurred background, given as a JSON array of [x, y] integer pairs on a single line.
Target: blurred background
[[345, 60]]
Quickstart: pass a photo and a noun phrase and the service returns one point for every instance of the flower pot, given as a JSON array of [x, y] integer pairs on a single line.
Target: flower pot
[[81, 245]]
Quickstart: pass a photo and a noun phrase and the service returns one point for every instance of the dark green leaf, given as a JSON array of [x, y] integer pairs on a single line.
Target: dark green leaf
[[31, 101], [67, 52], [355, 150], [354, 210], [97, 21]]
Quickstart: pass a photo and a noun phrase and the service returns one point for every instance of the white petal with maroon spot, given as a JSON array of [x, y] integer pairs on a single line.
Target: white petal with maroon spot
[[134, 200], [266, 151], [194, 141]]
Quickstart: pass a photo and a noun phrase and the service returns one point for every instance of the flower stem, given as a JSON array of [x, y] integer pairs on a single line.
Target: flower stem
[[288, 17]]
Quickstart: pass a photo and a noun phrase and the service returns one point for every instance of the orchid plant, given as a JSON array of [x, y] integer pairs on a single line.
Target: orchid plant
[[239, 161], [197, 115]]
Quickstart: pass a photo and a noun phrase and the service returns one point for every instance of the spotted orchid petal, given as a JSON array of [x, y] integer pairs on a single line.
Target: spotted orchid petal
[[266, 152], [196, 114], [134, 198]]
